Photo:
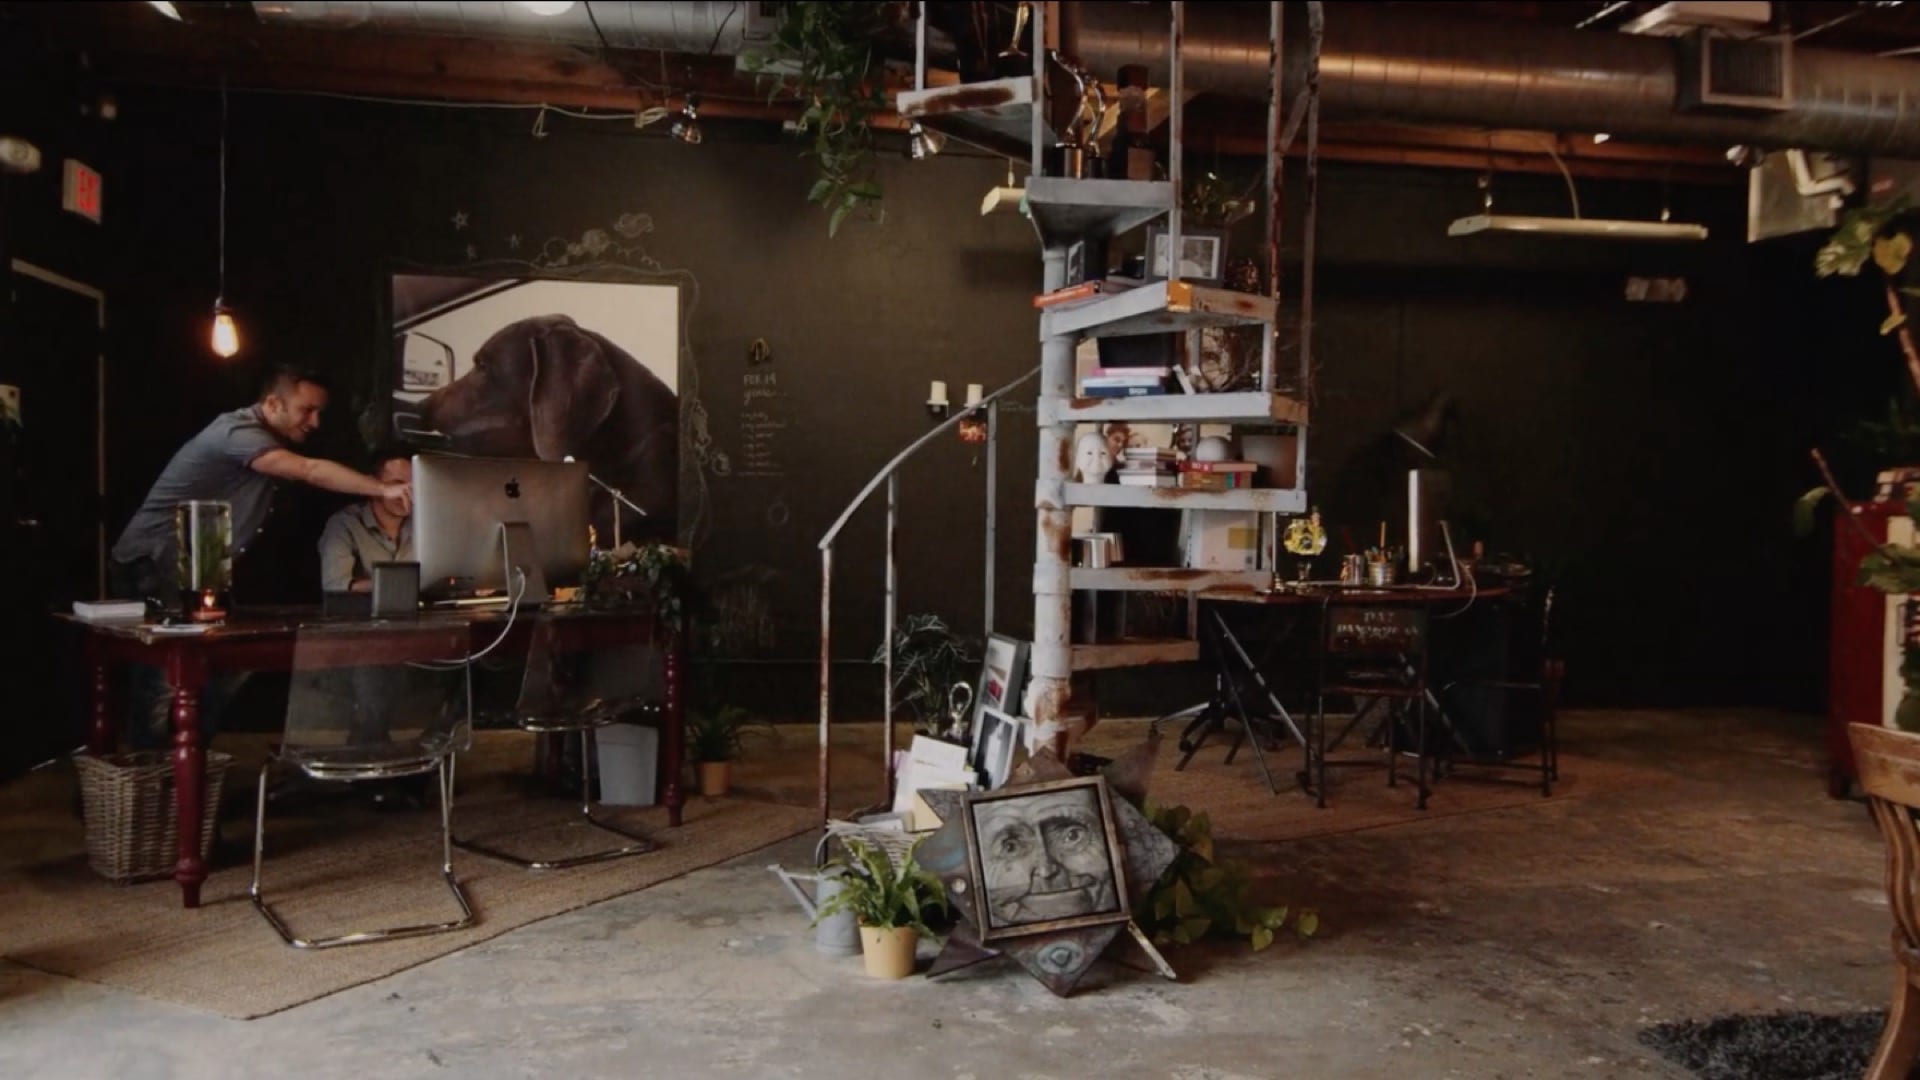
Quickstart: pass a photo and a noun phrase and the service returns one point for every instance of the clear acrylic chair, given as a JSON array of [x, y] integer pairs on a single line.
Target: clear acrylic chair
[[374, 701], [582, 674]]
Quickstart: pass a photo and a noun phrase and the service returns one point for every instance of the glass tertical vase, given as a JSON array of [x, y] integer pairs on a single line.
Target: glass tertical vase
[[203, 537]]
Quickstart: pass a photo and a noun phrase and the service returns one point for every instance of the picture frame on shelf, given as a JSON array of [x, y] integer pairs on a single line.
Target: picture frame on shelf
[[1203, 255], [1067, 824], [1003, 675], [996, 736]]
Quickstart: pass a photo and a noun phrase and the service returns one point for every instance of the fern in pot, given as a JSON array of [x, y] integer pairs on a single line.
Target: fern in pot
[[891, 901], [716, 737]]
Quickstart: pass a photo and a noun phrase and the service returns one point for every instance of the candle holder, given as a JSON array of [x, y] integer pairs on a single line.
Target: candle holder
[[203, 539]]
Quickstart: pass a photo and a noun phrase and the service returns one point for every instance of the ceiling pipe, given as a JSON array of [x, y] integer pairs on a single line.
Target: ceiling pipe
[[1405, 65], [718, 28]]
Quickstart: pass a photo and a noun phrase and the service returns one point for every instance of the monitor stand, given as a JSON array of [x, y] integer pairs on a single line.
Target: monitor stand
[[522, 554]]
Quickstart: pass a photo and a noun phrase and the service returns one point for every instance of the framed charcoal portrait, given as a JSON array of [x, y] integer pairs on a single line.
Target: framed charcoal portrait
[[1203, 255], [1046, 857]]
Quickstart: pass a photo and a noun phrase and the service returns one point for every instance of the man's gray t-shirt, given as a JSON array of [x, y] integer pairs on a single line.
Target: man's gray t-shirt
[[215, 464]]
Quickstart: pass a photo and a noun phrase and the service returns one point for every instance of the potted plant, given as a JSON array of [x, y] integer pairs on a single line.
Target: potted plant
[[715, 738], [890, 899], [928, 660]]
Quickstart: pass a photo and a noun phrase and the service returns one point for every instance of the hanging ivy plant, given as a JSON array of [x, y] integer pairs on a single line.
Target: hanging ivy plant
[[826, 56]]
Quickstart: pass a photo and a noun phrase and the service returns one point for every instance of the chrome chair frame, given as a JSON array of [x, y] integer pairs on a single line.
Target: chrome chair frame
[[320, 768], [637, 844]]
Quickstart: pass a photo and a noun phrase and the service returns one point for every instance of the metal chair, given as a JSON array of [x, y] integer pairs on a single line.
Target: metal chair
[[1377, 652], [1538, 674], [1889, 764], [374, 702], [581, 681]]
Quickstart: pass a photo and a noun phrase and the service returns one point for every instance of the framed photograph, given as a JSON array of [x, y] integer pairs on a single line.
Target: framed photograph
[[1003, 675], [1046, 857], [996, 735], [550, 369], [1203, 254]]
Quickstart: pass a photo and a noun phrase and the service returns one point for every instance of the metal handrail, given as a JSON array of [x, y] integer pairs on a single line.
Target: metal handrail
[[989, 405]]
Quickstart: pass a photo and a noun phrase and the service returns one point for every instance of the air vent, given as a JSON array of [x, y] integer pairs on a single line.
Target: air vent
[[1720, 72]]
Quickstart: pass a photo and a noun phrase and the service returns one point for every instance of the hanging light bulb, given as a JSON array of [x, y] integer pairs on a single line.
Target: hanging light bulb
[[165, 7], [226, 336], [548, 7], [923, 144], [686, 126]]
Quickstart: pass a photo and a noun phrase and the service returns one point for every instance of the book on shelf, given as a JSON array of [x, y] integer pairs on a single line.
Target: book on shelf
[[1142, 372], [1149, 453], [1122, 391], [1146, 478], [1215, 481], [1081, 292], [1220, 466], [1110, 382]]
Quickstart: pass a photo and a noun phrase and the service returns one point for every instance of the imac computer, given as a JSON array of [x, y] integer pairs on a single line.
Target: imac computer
[[1427, 492], [473, 517]]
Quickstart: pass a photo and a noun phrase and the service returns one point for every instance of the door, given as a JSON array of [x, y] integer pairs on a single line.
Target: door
[[54, 529]]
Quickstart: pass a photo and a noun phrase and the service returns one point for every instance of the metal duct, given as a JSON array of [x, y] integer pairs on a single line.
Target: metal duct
[[1404, 65], [721, 28]]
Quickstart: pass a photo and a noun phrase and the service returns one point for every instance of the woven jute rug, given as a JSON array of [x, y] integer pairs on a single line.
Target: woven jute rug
[[332, 865]]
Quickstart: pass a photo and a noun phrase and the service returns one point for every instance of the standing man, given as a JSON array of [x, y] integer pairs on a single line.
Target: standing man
[[239, 458], [376, 530]]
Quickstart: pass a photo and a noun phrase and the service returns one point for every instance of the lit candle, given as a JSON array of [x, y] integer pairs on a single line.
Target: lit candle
[[974, 393], [209, 610], [937, 393]]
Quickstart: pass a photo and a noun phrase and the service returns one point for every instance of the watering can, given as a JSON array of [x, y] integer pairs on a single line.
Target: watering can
[[837, 934]]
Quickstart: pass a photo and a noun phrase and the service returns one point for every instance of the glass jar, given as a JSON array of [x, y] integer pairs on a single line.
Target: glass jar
[[203, 540]]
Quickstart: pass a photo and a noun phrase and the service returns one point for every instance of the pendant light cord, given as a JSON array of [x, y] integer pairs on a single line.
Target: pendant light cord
[[223, 190]]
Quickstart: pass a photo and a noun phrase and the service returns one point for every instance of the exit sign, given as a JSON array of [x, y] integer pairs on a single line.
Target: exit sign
[[80, 191]]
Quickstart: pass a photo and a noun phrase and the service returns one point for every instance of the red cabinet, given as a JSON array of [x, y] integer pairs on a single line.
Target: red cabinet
[[1864, 642]]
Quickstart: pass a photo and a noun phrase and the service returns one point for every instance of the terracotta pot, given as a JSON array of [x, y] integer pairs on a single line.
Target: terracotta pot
[[888, 951], [716, 777]]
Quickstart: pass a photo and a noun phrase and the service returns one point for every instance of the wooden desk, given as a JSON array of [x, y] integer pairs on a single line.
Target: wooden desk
[[262, 639]]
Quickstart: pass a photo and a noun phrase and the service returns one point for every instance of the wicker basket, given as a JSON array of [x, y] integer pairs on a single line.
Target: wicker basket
[[132, 831]]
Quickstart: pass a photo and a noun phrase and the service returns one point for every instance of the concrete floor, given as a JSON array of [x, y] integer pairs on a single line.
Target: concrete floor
[[1514, 943]]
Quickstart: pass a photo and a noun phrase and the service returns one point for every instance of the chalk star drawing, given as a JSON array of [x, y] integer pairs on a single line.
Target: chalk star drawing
[[459, 220]]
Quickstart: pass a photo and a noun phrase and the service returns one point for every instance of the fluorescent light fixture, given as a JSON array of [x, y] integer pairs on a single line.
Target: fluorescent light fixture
[[1593, 227], [547, 7], [165, 8], [1002, 198]]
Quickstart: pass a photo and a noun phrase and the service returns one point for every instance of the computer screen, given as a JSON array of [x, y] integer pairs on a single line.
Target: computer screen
[[460, 504]]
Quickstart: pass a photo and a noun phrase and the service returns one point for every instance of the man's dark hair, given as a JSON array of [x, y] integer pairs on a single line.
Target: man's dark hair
[[389, 452], [284, 379]]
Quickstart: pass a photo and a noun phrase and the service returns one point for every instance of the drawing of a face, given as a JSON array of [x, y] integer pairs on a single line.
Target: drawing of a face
[[1092, 461], [1044, 857]]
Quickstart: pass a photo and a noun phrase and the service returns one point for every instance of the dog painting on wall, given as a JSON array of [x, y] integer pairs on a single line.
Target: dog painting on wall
[[550, 370]]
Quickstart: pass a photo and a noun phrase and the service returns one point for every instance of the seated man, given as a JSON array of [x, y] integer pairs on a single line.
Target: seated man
[[375, 530]]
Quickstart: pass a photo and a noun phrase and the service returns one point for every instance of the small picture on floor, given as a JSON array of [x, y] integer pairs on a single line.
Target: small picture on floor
[[996, 735], [1047, 857]]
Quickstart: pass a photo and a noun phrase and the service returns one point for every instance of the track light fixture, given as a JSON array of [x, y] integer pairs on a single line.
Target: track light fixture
[[923, 144]]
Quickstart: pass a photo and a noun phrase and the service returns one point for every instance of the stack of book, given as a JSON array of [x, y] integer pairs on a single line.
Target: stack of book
[[1147, 466], [1217, 475], [1106, 382]]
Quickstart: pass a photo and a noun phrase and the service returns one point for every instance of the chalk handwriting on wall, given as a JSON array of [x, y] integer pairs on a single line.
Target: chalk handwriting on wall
[[761, 424]]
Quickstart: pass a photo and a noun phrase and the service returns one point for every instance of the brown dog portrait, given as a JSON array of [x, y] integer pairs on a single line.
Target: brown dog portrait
[[547, 388]]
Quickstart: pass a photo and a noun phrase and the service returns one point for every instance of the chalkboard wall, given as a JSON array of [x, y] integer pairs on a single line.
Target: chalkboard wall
[[1649, 452]]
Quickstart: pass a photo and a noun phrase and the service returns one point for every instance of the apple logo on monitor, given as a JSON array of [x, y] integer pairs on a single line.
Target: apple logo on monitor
[[513, 488]]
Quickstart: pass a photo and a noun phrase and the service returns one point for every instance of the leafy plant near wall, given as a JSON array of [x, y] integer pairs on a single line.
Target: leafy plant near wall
[[928, 659], [1882, 235], [1203, 894], [837, 75]]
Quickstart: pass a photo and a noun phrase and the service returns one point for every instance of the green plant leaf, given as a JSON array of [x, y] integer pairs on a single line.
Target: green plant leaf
[[1184, 904], [1262, 937], [1308, 924], [819, 189], [1196, 927], [1890, 254], [1803, 510], [1892, 322]]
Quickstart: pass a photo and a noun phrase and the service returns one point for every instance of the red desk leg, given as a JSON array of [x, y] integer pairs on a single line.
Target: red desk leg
[[671, 752], [101, 736], [188, 676]]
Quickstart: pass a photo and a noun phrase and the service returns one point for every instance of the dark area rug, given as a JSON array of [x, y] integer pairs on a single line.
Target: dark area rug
[[1777, 1046]]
